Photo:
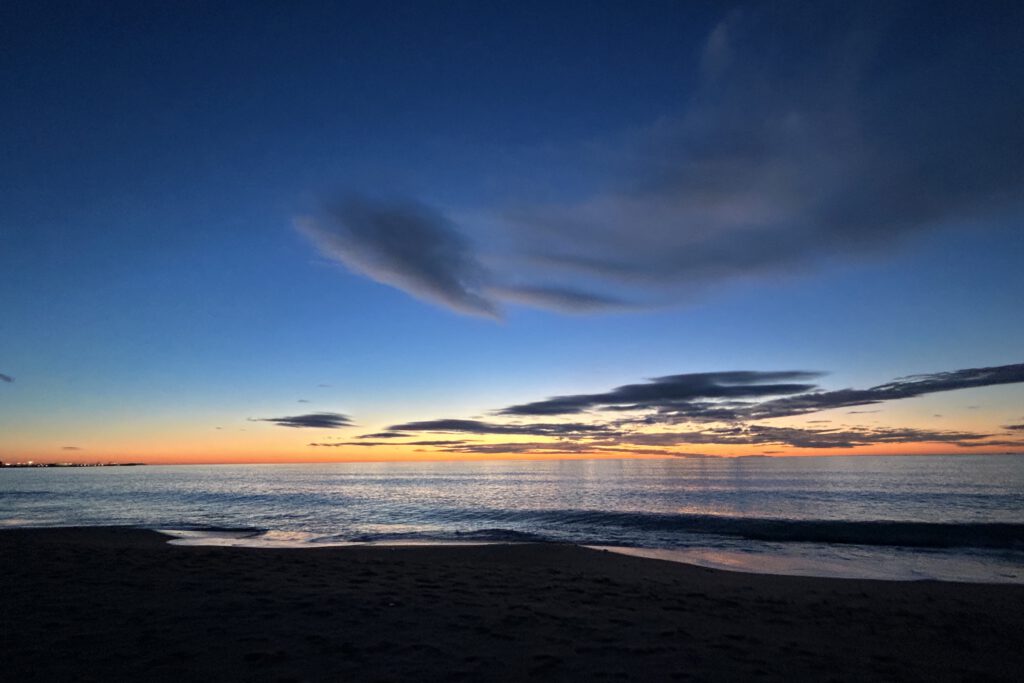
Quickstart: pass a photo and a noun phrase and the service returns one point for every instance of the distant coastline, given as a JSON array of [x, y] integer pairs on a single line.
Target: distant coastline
[[30, 463]]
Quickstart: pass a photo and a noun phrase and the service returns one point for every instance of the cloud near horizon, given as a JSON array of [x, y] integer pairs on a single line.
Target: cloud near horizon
[[556, 429], [662, 392], [796, 148], [725, 409], [310, 420]]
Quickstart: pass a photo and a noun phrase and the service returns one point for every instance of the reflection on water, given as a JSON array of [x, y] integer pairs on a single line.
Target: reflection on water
[[793, 510]]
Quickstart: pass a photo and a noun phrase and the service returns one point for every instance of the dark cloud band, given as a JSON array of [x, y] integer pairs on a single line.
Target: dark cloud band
[[311, 420]]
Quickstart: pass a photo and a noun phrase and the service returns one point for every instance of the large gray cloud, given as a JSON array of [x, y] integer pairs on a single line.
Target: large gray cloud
[[817, 131], [416, 249]]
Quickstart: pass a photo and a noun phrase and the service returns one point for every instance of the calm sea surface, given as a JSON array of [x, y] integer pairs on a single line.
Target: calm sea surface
[[945, 517]]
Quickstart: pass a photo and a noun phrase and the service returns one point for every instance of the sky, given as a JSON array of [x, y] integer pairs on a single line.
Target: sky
[[294, 232]]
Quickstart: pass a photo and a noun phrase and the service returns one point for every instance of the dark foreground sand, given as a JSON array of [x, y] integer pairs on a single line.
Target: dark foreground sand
[[118, 604]]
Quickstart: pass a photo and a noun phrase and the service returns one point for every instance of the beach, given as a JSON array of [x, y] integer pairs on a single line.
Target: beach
[[122, 604]]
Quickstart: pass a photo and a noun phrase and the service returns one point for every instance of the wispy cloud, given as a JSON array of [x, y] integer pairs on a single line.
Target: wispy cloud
[[903, 387], [562, 299], [6, 378], [374, 444], [848, 437], [796, 149], [310, 420], [70, 448], [559, 429], [672, 390], [698, 397], [405, 245]]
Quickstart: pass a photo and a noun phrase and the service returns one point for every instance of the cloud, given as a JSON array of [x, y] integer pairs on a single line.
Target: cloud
[[558, 299], [311, 420], [816, 133], [726, 408], [557, 429], [812, 438], [302, 400], [904, 387], [533, 448], [698, 397], [405, 245], [796, 149], [373, 444], [6, 378], [671, 390], [70, 448]]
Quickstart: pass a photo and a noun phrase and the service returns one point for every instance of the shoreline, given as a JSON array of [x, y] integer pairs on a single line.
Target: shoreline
[[108, 603], [841, 561], [902, 565]]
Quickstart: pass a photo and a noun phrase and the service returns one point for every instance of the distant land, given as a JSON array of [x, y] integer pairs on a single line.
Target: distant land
[[71, 464]]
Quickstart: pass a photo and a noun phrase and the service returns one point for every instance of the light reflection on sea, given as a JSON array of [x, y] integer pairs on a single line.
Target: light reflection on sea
[[831, 516]]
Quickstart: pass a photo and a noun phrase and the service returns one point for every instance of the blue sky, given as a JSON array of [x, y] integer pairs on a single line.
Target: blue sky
[[443, 209]]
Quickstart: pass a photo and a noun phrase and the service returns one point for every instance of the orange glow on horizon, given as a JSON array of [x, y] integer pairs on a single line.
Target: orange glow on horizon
[[244, 454]]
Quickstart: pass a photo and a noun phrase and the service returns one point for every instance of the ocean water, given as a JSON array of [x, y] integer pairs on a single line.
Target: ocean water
[[958, 518]]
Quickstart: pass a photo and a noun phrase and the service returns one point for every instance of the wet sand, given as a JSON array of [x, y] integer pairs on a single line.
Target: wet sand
[[121, 604]]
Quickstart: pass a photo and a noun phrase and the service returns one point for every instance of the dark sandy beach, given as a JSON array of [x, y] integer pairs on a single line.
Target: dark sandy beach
[[120, 604]]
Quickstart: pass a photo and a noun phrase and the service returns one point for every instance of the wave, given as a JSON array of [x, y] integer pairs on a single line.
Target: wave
[[662, 529], [475, 536], [882, 533]]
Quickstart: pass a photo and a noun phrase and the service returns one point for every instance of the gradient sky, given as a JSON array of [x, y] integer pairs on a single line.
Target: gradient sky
[[229, 231]]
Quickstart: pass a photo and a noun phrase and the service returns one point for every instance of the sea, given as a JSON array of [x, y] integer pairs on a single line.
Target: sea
[[949, 518]]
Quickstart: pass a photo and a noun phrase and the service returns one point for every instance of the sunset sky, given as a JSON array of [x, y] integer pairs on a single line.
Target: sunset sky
[[262, 231]]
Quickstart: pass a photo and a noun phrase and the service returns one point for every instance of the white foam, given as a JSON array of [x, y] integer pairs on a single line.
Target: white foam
[[292, 539]]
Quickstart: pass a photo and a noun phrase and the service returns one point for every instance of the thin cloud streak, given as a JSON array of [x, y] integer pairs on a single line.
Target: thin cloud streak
[[310, 421], [811, 438], [663, 392], [557, 429], [904, 387]]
